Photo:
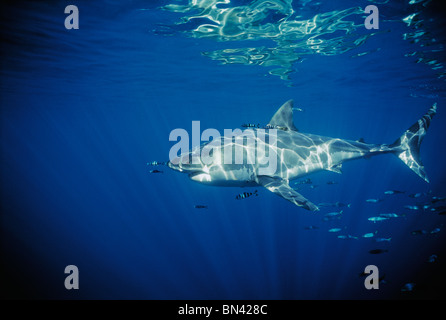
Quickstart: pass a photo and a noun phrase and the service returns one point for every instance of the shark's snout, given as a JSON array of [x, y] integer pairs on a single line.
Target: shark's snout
[[174, 166], [185, 163]]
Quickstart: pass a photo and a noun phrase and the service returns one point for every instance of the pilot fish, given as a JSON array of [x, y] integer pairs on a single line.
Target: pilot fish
[[244, 195]]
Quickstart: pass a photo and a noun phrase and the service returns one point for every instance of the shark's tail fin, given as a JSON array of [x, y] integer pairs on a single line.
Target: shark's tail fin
[[407, 147]]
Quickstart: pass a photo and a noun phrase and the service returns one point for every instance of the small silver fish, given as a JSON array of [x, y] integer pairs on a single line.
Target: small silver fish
[[432, 258], [383, 239], [156, 163], [373, 200], [393, 192], [440, 208], [437, 199], [408, 287], [336, 204], [348, 236], [368, 235], [333, 215], [305, 181], [415, 195], [334, 230], [250, 125], [377, 219], [410, 207], [270, 126], [436, 230], [389, 215]]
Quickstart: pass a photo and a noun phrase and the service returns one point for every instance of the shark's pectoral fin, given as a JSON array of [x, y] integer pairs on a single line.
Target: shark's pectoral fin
[[282, 188], [336, 168]]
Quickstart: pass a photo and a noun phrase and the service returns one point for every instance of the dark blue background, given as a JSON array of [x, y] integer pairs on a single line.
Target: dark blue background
[[84, 110]]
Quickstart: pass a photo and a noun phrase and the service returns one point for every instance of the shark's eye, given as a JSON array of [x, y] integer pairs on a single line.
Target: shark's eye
[[186, 159]]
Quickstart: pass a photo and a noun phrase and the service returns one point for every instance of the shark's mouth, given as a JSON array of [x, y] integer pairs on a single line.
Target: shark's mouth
[[174, 167], [194, 173], [200, 176]]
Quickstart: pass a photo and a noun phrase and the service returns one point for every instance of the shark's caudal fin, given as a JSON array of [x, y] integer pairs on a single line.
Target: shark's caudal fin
[[407, 147]]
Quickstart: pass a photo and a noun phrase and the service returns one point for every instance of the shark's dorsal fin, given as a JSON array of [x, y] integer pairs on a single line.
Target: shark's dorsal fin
[[283, 118]]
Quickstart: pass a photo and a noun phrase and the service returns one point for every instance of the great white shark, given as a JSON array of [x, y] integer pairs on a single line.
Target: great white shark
[[298, 154]]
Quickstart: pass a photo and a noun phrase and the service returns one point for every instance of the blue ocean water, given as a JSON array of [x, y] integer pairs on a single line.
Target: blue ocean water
[[84, 110]]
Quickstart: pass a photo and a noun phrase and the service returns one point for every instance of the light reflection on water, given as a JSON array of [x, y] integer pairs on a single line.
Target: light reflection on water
[[292, 36]]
